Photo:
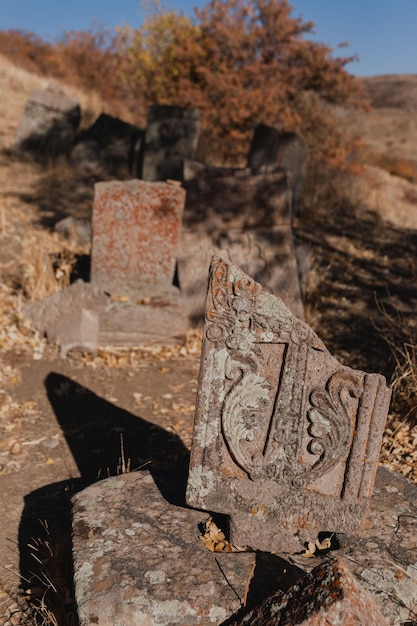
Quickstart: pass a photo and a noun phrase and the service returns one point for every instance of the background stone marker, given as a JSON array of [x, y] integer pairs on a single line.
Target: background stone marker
[[171, 135], [136, 231], [271, 147], [284, 437], [48, 125], [246, 218]]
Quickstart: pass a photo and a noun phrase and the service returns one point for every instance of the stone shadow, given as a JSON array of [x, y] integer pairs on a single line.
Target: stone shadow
[[105, 441], [271, 575], [364, 269]]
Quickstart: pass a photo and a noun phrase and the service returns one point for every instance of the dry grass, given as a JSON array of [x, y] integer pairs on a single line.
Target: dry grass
[[17, 83], [45, 267], [400, 333], [395, 165]]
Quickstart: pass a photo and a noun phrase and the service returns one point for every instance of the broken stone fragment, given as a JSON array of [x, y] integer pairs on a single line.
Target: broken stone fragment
[[286, 439], [330, 594]]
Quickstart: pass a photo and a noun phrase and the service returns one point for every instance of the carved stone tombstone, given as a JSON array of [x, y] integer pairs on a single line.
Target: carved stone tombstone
[[246, 218], [286, 439]]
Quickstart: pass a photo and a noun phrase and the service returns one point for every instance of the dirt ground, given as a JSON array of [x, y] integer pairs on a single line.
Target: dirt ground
[[66, 423], [71, 422]]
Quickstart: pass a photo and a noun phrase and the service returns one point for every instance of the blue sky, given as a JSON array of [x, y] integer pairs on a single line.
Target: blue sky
[[383, 33]]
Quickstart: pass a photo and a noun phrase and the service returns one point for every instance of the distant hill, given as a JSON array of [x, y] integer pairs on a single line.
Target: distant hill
[[392, 91], [388, 130]]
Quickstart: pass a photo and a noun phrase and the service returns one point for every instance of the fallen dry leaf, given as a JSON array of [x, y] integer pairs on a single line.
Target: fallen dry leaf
[[215, 540], [317, 546]]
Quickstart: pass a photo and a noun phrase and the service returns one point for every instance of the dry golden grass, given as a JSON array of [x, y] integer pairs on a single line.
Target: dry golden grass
[[402, 167], [16, 84]]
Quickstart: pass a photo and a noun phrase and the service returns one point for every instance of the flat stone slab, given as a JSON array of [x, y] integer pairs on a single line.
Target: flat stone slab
[[158, 322], [83, 316], [138, 560]]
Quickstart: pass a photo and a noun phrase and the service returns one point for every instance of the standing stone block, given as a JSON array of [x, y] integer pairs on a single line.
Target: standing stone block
[[246, 218], [271, 147], [48, 125], [286, 439], [171, 135], [136, 230]]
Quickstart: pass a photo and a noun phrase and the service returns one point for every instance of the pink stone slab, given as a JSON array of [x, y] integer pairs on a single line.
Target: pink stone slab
[[136, 229]]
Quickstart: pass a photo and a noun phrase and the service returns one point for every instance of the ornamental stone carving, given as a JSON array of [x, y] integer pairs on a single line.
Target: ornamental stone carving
[[286, 439]]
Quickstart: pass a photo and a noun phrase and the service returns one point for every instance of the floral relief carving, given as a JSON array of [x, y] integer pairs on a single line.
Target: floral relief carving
[[331, 418]]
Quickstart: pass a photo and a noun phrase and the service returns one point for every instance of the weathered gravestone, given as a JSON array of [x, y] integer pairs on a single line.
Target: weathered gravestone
[[109, 146], [270, 148], [48, 125], [131, 299], [136, 230], [246, 218], [286, 439], [171, 135]]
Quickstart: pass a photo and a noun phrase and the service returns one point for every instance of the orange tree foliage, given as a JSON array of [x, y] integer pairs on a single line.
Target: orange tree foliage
[[242, 63], [93, 62]]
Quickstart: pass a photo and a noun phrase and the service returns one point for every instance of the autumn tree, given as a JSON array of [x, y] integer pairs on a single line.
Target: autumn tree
[[241, 62], [153, 55]]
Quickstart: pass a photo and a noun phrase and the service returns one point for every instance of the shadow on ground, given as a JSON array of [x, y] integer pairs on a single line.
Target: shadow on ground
[[104, 440], [362, 267]]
